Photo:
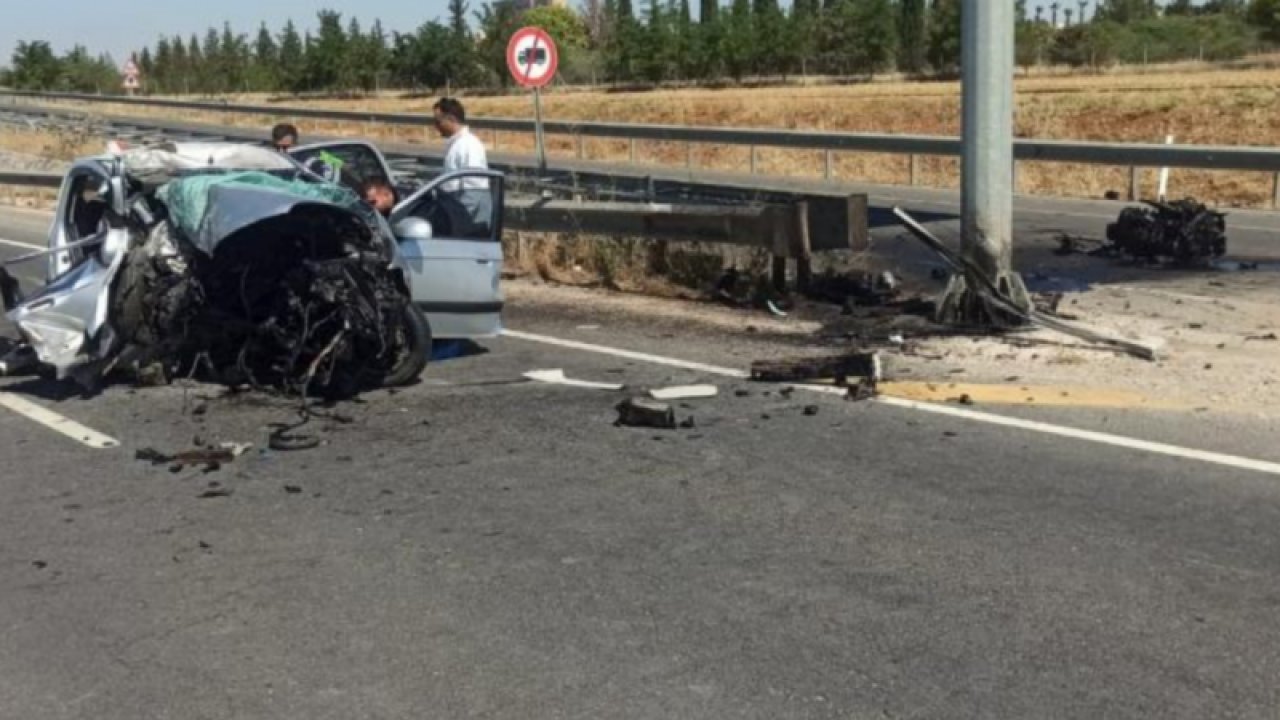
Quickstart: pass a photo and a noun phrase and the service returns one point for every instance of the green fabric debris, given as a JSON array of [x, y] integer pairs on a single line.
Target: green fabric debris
[[188, 199]]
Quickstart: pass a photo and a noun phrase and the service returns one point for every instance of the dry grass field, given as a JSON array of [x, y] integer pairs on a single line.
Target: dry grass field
[[1195, 104]]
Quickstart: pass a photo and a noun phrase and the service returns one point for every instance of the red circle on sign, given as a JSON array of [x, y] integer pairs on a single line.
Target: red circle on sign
[[532, 57]]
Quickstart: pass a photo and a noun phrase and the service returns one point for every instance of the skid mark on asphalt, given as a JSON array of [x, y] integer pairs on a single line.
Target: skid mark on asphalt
[[1120, 441], [57, 423]]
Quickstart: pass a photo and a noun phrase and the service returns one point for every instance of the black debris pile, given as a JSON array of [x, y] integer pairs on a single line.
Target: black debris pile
[[301, 302], [641, 412], [850, 290], [1185, 232], [210, 459]]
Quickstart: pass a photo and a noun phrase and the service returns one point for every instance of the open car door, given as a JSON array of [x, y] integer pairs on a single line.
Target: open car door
[[450, 235], [66, 322]]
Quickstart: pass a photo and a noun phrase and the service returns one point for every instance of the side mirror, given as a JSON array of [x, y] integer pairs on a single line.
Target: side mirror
[[413, 229]]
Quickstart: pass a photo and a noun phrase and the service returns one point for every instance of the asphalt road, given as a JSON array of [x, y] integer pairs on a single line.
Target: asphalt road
[[476, 546]]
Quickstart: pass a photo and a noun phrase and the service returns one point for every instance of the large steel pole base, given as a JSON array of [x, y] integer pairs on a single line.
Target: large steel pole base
[[964, 306], [986, 194]]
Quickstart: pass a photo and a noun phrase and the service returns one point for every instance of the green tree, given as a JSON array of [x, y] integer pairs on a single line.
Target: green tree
[[328, 62], [233, 60], [180, 77], [34, 66], [433, 57], [458, 18], [1126, 11], [1033, 42], [912, 36], [709, 11], [264, 69], [292, 70], [944, 36], [737, 42], [1265, 15], [162, 68], [211, 79], [194, 80], [497, 22]]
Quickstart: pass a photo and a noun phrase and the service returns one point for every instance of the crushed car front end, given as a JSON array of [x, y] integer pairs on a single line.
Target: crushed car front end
[[260, 277]]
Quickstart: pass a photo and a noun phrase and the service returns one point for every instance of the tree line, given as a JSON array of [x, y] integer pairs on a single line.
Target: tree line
[[618, 42]]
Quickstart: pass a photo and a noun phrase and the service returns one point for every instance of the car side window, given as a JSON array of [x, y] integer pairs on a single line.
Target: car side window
[[462, 209], [350, 165], [85, 215]]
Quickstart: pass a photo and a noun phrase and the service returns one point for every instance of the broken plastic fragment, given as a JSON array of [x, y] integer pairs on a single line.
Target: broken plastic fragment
[[557, 377], [685, 392]]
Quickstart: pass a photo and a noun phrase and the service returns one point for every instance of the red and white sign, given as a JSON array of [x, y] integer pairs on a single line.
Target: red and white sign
[[532, 57], [131, 75]]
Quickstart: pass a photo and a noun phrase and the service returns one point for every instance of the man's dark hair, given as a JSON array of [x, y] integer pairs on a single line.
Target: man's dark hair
[[282, 131], [453, 108], [374, 183]]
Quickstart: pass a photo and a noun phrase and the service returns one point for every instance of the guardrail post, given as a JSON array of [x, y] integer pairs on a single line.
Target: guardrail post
[[581, 149], [915, 169], [496, 135], [828, 164], [781, 248], [802, 248], [1134, 183], [633, 150], [754, 159], [1275, 192]]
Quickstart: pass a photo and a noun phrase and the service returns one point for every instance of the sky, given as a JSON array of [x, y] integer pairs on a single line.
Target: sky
[[122, 26]]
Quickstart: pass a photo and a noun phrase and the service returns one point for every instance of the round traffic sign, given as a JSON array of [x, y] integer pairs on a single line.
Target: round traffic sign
[[532, 57]]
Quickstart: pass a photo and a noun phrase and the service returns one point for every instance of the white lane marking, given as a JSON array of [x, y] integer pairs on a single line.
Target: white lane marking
[[626, 354], [1120, 441], [58, 423], [24, 246]]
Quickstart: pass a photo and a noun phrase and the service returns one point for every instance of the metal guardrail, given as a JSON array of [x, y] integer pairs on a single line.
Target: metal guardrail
[[1132, 155], [31, 179], [781, 230]]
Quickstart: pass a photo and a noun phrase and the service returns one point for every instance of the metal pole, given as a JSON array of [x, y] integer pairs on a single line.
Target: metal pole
[[987, 174], [539, 138]]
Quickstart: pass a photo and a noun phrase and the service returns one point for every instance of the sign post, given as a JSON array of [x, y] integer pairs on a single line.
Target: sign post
[[533, 59]]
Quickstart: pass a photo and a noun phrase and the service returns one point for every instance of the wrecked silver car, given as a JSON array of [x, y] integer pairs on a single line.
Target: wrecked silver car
[[230, 262]]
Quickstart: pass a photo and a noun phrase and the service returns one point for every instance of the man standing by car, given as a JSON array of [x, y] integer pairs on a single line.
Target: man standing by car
[[467, 202], [464, 150]]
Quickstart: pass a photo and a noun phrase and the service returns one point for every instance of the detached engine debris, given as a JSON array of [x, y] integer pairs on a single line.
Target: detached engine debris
[[228, 262], [1185, 231]]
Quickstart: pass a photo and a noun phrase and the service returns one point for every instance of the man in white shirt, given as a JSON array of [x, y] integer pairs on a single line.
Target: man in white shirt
[[464, 151]]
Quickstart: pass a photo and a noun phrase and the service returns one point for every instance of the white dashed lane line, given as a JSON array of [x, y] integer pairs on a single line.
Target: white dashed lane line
[[52, 420], [1120, 441]]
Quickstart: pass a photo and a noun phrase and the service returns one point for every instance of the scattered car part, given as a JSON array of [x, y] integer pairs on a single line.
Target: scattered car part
[[210, 458], [983, 285], [1184, 231], [685, 392], [838, 368], [18, 360], [557, 377], [645, 413]]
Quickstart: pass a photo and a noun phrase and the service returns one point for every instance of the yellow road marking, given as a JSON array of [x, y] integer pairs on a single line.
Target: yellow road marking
[[1015, 394]]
